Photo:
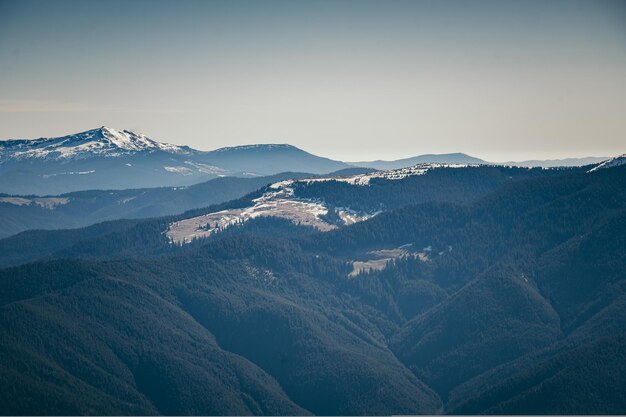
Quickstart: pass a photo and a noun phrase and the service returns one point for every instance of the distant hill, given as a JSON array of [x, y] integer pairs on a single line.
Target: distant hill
[[266, 159], [461, 158], [448, 158], [567, 162]]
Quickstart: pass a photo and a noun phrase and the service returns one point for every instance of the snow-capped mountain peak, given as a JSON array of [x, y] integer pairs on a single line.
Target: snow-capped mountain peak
[[103, 141], [126, 139]]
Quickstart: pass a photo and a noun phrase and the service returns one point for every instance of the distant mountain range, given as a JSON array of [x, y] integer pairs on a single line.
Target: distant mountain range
[[106, 158], [461, 158], [567, 162]]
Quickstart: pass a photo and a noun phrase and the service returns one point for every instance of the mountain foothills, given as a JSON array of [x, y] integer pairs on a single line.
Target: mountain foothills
[[439, 288]]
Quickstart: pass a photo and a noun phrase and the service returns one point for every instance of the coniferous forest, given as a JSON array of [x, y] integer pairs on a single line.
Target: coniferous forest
[[510, 300]]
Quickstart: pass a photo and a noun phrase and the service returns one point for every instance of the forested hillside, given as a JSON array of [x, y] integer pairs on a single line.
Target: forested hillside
[[491, 290], [84, 208]]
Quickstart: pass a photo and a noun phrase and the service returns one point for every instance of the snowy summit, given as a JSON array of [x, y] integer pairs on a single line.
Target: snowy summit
[[103, 141]]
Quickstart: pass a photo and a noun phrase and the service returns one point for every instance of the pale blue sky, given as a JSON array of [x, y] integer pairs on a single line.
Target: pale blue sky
[[351, 80]]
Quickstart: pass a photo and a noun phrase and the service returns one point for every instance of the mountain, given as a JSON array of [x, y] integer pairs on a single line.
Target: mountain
[[449, 158], [106, 158], [463, 289], [267, 159], [101, 158], [103, 141], [83, 208]]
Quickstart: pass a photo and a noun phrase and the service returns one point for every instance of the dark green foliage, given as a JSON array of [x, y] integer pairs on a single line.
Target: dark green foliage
[[517, 305], [473, 330], [587, 379], [39, 244], [441, 185], [126, 343]]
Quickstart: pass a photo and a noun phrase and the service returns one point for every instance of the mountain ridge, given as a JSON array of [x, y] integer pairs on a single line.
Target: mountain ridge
[[106, 158], [73, 162]]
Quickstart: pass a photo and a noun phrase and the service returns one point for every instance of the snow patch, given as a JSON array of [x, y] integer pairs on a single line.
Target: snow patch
[[69, 173], [206, 169], [179, 170]]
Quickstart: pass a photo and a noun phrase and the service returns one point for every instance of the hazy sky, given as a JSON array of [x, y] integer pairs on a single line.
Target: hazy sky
[[351, 80]]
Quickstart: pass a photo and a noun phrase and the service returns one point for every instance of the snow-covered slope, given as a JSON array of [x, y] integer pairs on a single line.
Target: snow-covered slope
[[102, 158], [280, 200], [277, 201], [610, 163], [99, 142]]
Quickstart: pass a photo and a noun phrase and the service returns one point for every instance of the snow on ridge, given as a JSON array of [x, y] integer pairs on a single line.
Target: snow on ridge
[[103, 141], [297, 211], [276, 201], [279, 200], [364, 179], [610, 163]]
